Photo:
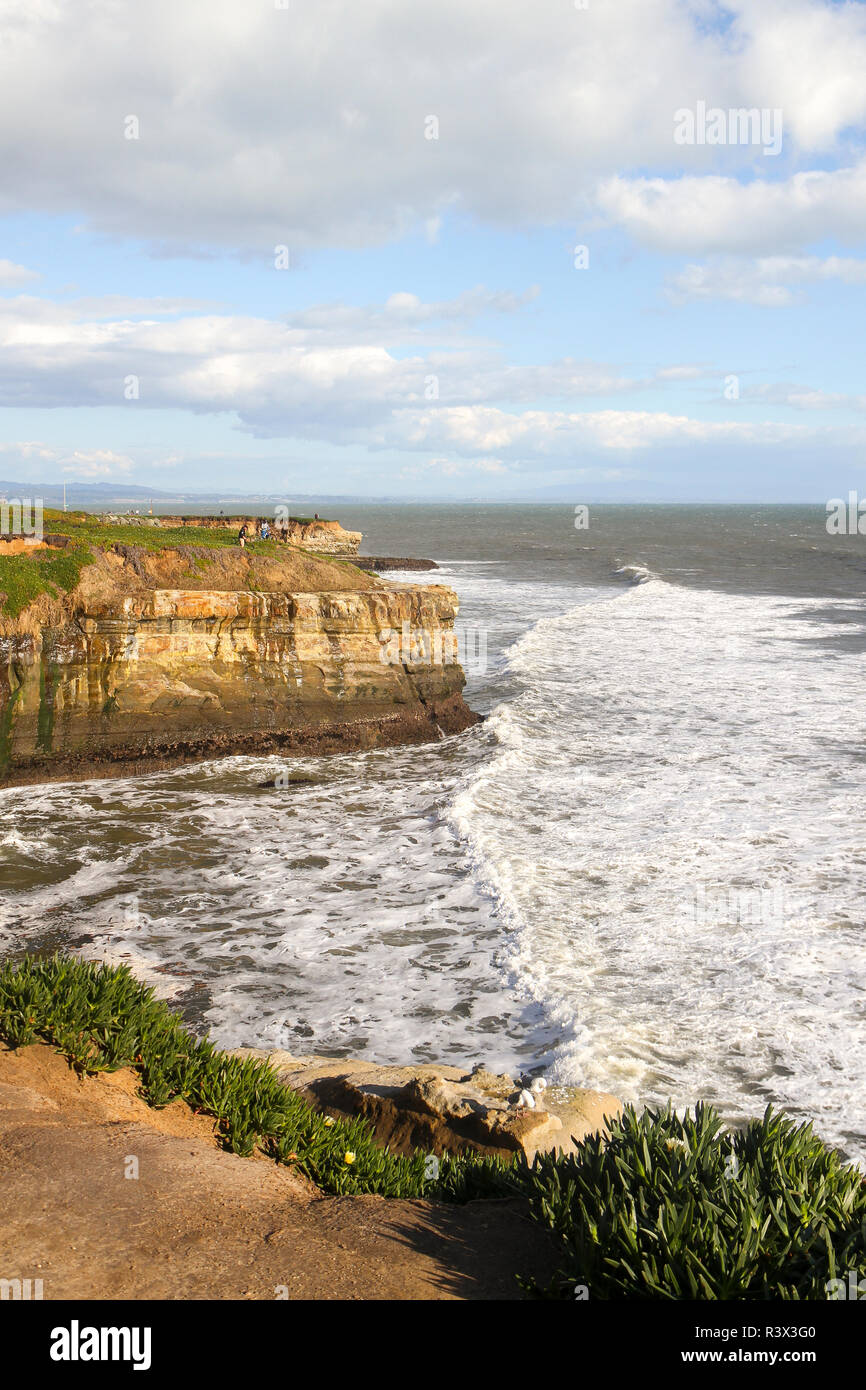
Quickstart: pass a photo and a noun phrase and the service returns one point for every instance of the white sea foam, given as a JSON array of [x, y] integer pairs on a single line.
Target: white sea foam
[[638, 574], [645, 872], [673, 829]]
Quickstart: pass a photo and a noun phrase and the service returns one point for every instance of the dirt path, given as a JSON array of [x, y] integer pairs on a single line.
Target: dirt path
[[201, 1223]]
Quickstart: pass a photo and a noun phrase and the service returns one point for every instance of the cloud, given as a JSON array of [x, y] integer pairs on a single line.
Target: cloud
[[453, 468], [12, 276], [322, 371], [804, 397], [82, 463], [767, 281], [302, 377], [97, 463], [404, 317], [716, 214], [255, 126], [684, 372], [470, 431]]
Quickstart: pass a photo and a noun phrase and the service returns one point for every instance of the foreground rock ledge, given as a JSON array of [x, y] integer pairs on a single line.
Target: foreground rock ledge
[[444, 1109], [200, 1223]]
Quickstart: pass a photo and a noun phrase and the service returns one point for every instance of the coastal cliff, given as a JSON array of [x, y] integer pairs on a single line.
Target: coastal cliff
[[321, 537], [156, 658]]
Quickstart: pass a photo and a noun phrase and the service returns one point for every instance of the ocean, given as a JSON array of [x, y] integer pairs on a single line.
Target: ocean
[[644, 872]]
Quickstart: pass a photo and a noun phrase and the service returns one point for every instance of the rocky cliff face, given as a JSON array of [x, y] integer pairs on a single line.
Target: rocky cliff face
[[325, 537], [122, 683]]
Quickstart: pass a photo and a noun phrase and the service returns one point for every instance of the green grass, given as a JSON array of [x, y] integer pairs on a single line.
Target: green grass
[[24, 577], [221, 517], [668, 1207], [91, 531]]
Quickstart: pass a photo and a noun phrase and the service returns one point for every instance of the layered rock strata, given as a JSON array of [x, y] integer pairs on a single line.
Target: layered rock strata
[[128, 683]]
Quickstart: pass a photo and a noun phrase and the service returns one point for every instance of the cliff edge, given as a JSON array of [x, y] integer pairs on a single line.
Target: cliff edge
[[161, 653]]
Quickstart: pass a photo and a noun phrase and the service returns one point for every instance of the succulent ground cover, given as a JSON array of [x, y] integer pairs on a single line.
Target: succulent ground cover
[[666, 1206]]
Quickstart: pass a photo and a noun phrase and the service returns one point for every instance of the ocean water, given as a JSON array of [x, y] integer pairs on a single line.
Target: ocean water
[[645, 872]]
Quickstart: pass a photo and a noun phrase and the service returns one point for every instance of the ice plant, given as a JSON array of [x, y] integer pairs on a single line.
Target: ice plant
[[666, 1206]]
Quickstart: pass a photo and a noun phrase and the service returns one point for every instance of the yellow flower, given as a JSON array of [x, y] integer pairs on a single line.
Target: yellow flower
[[349, 1158], [329, 1120]]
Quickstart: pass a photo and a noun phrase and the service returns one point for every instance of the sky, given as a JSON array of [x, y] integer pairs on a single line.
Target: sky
[[447, 250]]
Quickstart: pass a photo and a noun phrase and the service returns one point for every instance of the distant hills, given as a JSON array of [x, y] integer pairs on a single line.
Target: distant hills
[[120, 496]]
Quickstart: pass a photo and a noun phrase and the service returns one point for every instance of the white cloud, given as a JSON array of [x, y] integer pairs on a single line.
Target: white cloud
[[279, 380], [83, 463], [27, 449], [453, 468], [97, 463], [331, 368], [306, 126], [683, 372], [716, 214], [470, 431], [767, 281], [804, 397], [12, 276], [804, 58], [405, 317]]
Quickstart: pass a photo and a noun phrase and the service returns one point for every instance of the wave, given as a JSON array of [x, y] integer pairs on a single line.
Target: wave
[[642, 872], [669, 826], [637, 574]]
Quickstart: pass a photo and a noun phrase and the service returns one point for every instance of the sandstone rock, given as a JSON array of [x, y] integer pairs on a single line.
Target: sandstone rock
[[132, 682], [444, 1109]]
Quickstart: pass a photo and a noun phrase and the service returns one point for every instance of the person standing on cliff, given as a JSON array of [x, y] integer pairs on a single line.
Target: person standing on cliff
[[242, 536]]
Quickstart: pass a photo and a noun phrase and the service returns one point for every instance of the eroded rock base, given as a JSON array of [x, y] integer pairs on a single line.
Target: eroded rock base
[[445, 1109]]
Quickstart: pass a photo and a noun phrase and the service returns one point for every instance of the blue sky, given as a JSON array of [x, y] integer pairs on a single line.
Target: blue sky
[[432, 336]]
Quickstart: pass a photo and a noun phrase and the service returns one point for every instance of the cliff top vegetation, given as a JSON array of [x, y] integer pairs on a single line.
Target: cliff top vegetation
[[667, 1206], [160, 557]]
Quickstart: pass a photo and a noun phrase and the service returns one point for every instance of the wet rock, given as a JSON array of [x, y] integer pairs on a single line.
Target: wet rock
[[283, 781]]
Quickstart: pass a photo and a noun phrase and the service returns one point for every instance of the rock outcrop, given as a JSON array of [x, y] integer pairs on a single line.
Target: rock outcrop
[[202, 1223], [380, 563], [444, 1109], [126, 678]]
